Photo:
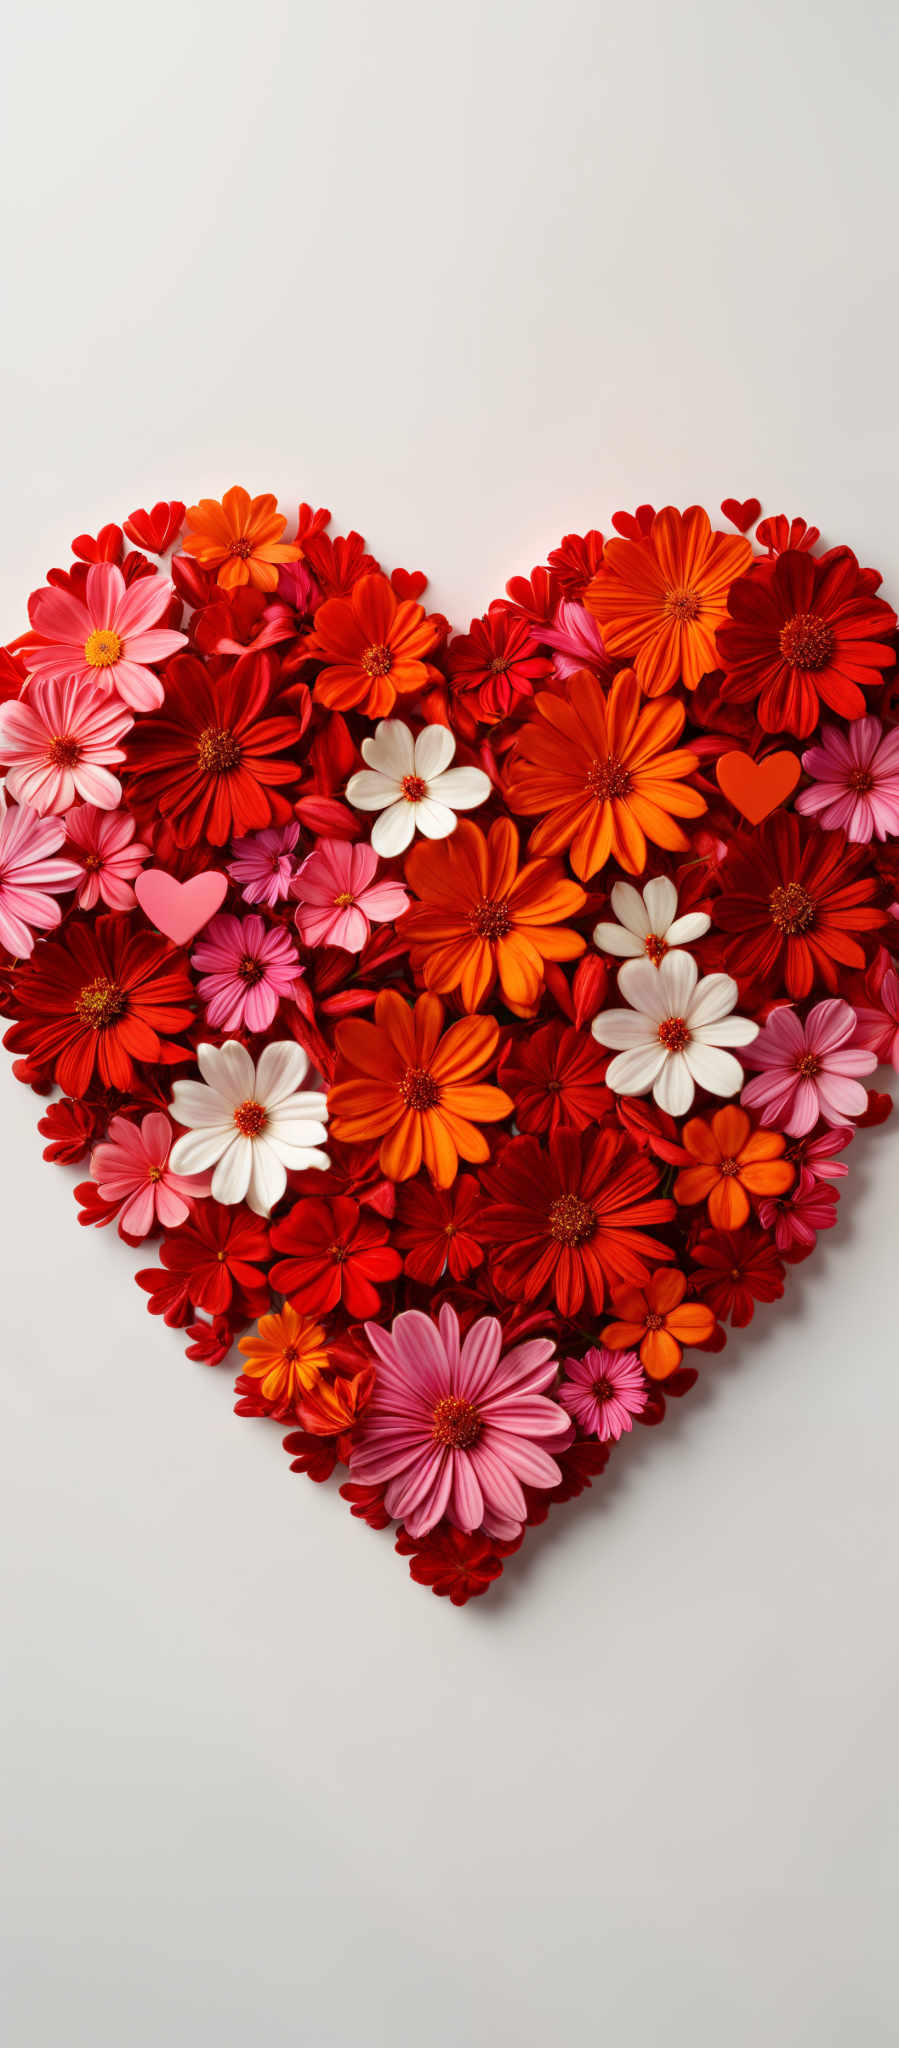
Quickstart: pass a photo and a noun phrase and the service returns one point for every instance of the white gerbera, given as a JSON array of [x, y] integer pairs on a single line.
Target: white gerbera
[[250, 1122], [673, 1034], [412, 784], [648, 922]]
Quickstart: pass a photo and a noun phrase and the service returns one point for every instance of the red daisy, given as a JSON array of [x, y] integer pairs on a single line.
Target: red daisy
[[555, 1076], [438, 1229], [211, 1261], [575, 561], [733, 1270], [803, 630], [793, 896], [209, 760], [499, 659], [335, 1253], [98, 999], [571, 1218]]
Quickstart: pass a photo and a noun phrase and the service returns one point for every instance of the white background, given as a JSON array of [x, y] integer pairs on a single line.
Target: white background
[[474, 276]]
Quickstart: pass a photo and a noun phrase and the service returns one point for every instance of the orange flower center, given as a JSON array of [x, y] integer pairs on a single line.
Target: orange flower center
[[457, 1423], [63, 751], [808, 1066], [250, 970], [491, 918], [99, 1003], [655, 947], [378, 661], [344, 900], [571, 1221], [93, 861], [250, 1118], [102, 647], [674, 1033], [498, 665], [861, 780], [807, 641], [154, 1173], [243, 548], [683, 604], [414, 789], [654, 1321], [419, 1089], [602, 1390], [217, 750], [609, 780], [792, 909], [729, 1167]]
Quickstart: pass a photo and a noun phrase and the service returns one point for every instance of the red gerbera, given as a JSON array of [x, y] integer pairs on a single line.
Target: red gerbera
[[792, 896], [572, 1217], [334, 1254], [208, 760], [212, 1261], [734, 1269], [802, 630], [555, 1076], [499, 659], [99, 998], [438, 1229]]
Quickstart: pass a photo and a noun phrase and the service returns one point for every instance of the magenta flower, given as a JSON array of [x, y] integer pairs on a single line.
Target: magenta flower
[[339, 899], [808, 1068], [855, 780], [574, 637], [131, 1167], [246, 967], [604, 1390], [30, 876], [797, 1217], [264, 865], [455, 1429], [106, 854], [107, 637], [58, 741]]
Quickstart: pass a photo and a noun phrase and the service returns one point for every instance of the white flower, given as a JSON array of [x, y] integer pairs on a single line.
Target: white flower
[[249, 1122], [413, 786], [673, 1033], [648, 923]]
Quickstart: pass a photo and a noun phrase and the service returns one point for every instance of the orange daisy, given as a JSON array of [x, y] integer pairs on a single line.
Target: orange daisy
[[373, 645], [287, 1355], [601, 772], [480, 916], [733, 1162], [399, 1080], [659, 1322], [241, 538], [660, 600]]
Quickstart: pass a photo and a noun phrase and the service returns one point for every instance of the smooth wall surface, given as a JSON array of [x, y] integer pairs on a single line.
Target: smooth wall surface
[[474, 276]]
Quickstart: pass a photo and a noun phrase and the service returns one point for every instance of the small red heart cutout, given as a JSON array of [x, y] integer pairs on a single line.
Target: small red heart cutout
[[757, 787], [742, 516], [180, 909]]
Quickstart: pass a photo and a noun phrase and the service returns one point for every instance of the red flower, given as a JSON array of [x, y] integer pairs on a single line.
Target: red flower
[[437, 1228], [734, 1269], [803, 630], [575, 561], [555, 1077], [212, 1261], [335, 1254], [571, 1219], [454, 1564], [208, 760], [497, 658], [793, 896], [98, 999]]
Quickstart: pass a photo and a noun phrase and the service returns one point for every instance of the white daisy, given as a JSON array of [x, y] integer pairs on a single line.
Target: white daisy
[[648, 922], [673, 1033], [413, 786], [250, 1122]]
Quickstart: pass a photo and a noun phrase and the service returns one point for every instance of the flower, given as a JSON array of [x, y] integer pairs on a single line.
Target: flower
[[373, 647], [215, 1261], [240, 538], [454, 1428], [58, 741], [207, 761], [98, 999], [604, 1390], [438, 1229], [796, 1218], [801, 630], [263, 864], [246, 966], [673, 1034], [132, 1167], [31, 874], [602, 775], [335, 1254], [648, 921], [249, 1122], [661, 1322], [107, 638], [555, 1076], [287, 1355], [879, 1028], [575, 641], [571, 1218], [412, 784], [791, 898], [106, 856], [400, 1080], [808, 1068], [855, 781], [732, 1162], [733, 1270], [499, 660], [660, 600], [479, 917], [339, 898]]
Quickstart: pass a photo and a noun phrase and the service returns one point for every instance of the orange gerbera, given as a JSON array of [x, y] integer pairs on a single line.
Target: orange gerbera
[[286, 1354], [373, 646], [733, 1162], [480, 916], [598, 770], [660, 600], [400, 1081], [659, 1322], [241, 538]]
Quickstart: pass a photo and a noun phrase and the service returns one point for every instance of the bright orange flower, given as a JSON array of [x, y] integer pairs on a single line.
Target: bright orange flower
[[400, 1081], [374, 647], [287, 1354], [660, 600], [660, 1322], [734, 1162], [241, 538], [479, 916], [599, 772]]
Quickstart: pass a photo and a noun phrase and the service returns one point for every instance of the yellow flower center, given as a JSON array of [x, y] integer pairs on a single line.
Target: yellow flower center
[[102, 647], [217, 751], [99, 1003], [792, 909]]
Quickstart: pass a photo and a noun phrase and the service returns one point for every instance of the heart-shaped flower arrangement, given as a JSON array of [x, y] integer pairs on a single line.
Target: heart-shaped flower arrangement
[[479, 1016]]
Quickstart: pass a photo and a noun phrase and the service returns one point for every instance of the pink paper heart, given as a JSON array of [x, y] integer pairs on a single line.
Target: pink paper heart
[[179, 909]]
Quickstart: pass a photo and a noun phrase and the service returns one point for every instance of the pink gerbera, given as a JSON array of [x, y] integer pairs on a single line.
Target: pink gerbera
[[107, 856], [855, 781], [30, 876], [106, 637], [604, 1390], [58, 741], [454, 1428], [808, 1068], [339, 899], [131, 1167], [247, 966], [264, 865]]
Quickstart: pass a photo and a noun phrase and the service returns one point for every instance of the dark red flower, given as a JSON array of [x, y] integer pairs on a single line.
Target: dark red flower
[[575, 561], [570, 1219], [555, 1076], [733, 1270], [335, 1253], [438, 1230], [98, 999], [802, 631], [792, 899], [214, 1261], [455, 1565], [208, 761], [497, 659]]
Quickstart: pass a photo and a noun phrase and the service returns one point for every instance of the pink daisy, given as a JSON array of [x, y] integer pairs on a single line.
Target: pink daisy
[[855, 780], [455, 1428], [107, 636], [339, 899], [264, 865], [58, 741], [246, 967], [604, 1390], [880, 1028], [107, 856], [808, 1068], [796, 1218], [30, 876], [818, 1155], [131, 1167]]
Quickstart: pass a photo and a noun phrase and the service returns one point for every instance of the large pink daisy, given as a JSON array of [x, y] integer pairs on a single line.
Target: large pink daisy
[[30, 876], [109, 636], [58, 742]]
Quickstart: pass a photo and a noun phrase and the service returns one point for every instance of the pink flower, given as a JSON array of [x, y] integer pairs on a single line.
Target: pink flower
[[263, 863], [817, 1155], [131, 1167], [58, 741], [30, 877], [339, 899], [107, 856], [249, 966], [880, 1028], [107, 637], [855, 786], [455, 1429], [575, 640], [808, 1068], [604, 1390], [797, 1217]]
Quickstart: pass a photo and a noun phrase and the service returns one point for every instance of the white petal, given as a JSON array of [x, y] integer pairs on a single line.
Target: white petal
[[268, 1179], [434, 750], [641, 984], [633, 1072], [282, 1066], [392, 749], [231, 1178], [200, 1107], [717, 1071], [369, 791], [463, 788], [678, 974], [726, 1031], [614, 938], [199, 1150], [714, 997], [660, 898], [674, 1088], [394, 830], [631, 910], [228, 1069], [435, 821], [624, 1027], [685, 929]]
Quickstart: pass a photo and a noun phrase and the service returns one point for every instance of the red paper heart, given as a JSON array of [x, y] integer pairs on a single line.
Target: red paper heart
[[756, 788], [180, 909], [742, 515]]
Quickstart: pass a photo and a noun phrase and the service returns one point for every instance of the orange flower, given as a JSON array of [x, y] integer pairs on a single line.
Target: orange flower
[[287, 1355], [481, 916], [660, 600], [400, 1081], [660, 1321], [241, 538], [734, 1162], [373, 646], [599, 772]]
